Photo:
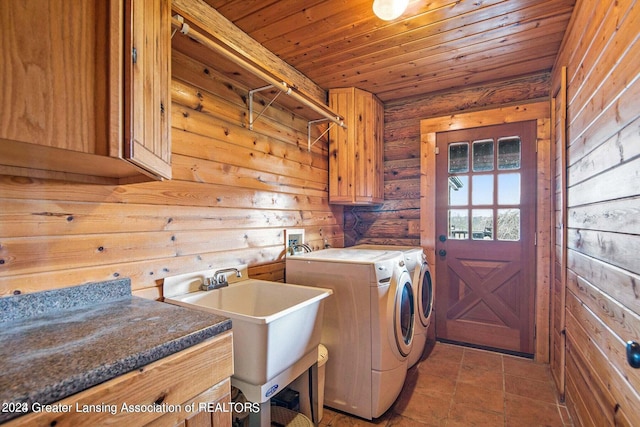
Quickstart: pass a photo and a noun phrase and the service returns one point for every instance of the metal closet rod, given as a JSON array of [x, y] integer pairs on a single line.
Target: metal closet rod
[[178, 22]]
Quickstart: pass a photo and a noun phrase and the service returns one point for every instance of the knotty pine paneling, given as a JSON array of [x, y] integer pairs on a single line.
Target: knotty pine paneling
[[234, 193], [433, 47], [601, 50], [393, 222]]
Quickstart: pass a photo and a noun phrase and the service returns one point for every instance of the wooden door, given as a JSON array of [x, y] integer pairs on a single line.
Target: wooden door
[[485, 230]]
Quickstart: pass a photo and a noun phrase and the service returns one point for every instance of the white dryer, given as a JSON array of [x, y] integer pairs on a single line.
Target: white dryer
[[422, 289], [368, 324]]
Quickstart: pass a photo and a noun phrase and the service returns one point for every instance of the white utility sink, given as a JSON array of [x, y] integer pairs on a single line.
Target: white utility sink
[[274, 325]]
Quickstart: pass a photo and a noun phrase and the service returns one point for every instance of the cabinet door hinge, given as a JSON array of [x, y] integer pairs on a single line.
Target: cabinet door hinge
[[437, 150], [134, 55]]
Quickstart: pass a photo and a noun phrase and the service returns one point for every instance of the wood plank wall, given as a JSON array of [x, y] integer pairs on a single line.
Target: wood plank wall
[[601, 51], [232, 195], [397, 221]]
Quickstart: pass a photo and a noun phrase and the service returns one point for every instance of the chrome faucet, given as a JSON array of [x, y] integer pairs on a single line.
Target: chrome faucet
[[219, 279], [305, 247]]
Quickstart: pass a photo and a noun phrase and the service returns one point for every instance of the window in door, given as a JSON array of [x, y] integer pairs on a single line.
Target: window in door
[[484, 189]]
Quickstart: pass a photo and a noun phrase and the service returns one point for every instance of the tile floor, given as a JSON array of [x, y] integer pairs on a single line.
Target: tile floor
[[459, 386]]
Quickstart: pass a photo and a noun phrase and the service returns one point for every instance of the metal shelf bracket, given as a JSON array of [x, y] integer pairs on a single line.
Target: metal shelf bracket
[[260, 89], [311, 122], [177, 23]]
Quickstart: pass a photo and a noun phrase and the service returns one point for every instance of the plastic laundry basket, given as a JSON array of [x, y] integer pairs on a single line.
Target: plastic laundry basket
[[281, 416]]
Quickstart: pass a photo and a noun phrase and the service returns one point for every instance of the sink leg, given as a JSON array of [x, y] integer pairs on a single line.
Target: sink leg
[[307, 385], [314, 391], [261, 418]]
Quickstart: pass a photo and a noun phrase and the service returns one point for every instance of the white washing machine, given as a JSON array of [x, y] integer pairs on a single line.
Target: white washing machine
[[422, 289], [368, 324]]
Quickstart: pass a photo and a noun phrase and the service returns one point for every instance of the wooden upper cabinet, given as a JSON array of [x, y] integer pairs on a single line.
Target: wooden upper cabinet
[[148, 82], [356, 169], [85, 89]]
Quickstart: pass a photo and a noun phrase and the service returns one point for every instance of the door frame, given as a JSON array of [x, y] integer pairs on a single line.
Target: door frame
[[539, 111]]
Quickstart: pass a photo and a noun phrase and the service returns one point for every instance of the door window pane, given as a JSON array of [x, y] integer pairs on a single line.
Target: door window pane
[[483, 155], [458, 190], [482, 224], [509, 189], [458, 223], [508, 224], [509, 153], [459, 157], [482, 190]]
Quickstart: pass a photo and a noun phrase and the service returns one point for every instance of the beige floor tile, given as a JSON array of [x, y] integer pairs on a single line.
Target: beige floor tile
[[521, 411], [479, 397], [445, 352], [464, 416], [400, 421], [482, 359], [440, 368], [428, 384], [343, 420], [430, 410], [327, 416], [564, 414], [482, 377], [526, 368], [455, 386], [532, 389]]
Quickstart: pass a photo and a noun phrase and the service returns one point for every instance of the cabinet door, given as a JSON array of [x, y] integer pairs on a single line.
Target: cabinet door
[[52, 74], [215, 418], [356, 163], [341, 149], [147, 85], [69, 108], [368, 148]]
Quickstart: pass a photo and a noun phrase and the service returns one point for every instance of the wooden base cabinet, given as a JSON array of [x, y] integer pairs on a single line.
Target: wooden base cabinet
[[188, 388], [356, 154], [85, 89]]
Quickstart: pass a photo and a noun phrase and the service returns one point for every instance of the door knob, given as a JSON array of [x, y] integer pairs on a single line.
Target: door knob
[[442, 252], [633, 354]]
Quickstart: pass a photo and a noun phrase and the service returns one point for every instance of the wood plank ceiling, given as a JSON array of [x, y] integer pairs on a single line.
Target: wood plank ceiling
[[435, 45]]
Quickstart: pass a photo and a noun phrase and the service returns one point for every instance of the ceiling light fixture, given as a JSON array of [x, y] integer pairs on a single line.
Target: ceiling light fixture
[[388, 10]]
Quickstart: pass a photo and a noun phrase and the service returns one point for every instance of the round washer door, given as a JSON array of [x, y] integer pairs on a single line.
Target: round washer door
[[425, 295], [404, 314]]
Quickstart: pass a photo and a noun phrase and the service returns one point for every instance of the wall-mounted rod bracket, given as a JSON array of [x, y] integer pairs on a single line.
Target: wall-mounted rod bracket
[[311, 122], [177, 22], [260, 89], [184, 29]]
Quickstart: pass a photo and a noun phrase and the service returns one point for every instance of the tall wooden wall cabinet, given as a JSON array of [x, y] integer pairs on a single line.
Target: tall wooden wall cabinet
[[356, 157], [85, 89]]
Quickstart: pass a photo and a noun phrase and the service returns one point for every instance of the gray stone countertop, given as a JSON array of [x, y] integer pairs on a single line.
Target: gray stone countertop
[[57, 343]]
